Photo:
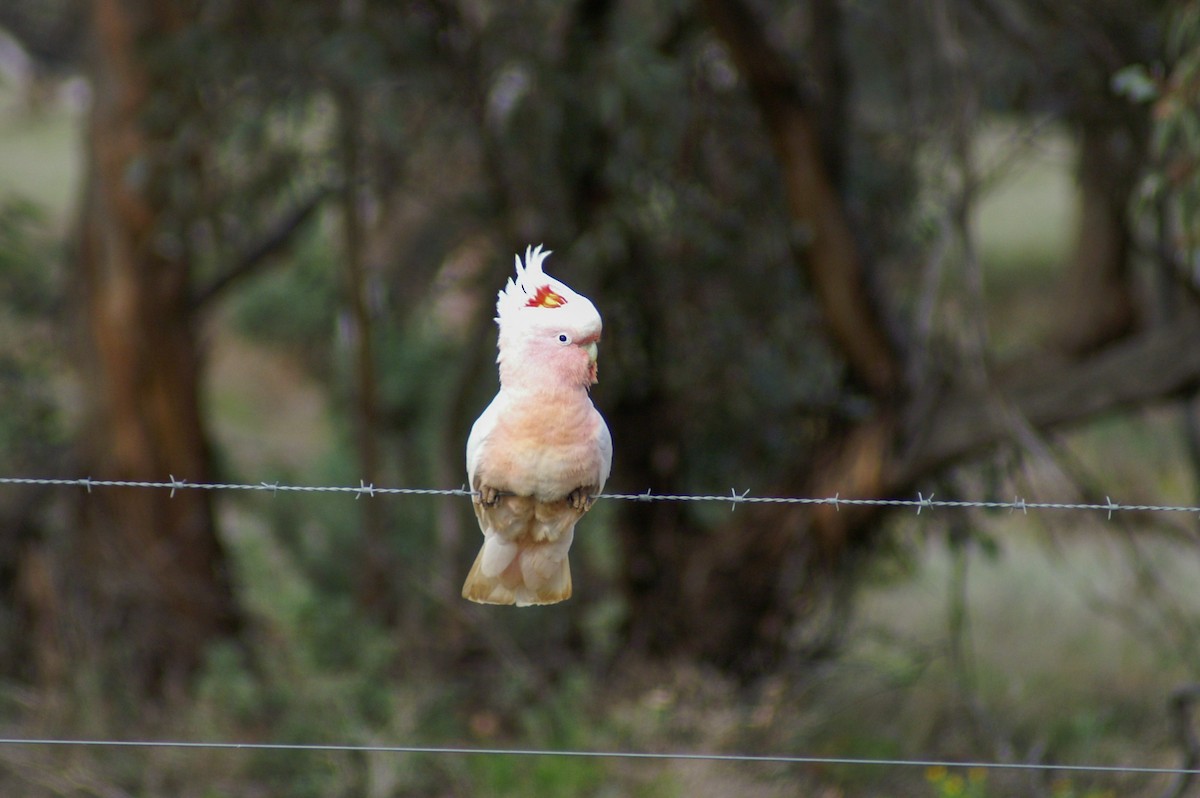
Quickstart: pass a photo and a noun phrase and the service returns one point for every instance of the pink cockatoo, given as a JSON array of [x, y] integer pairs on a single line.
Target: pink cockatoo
[[540, 453]]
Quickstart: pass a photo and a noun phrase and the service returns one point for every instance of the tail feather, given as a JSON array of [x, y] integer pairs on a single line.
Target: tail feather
[[523, 560], [531, 577]]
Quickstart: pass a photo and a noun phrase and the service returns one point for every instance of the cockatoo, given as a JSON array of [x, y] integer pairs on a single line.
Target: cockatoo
[[540, 452]]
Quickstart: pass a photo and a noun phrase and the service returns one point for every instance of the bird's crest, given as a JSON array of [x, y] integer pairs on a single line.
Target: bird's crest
[[531, 288], [546, 298]]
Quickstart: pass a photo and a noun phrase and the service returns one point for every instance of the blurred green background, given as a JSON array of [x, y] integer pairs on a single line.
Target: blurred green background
[[864, 249]]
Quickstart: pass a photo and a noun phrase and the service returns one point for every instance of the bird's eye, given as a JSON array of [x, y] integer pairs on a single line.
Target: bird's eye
[[563, 338]]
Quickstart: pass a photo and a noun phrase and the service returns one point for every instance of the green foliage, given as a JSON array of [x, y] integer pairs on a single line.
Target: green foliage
[[1066, 788], [1136, 83], [1172, 99], [30, 427], [538, 777], [1177, 125], [951, 783], [28, 258], [326, 678], [320, 673], [294, 306], [555, 722]]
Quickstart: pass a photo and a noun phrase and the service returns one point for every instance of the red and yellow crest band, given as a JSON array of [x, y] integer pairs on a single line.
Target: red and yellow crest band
[[545, 298]]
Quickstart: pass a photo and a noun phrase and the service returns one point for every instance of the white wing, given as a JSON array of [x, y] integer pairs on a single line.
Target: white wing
[[604, 442], [480, 430]]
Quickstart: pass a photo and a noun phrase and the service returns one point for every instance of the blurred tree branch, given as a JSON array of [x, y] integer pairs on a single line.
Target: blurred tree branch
[[832, 258], [966, 421], [1153, 366], [258, 254]]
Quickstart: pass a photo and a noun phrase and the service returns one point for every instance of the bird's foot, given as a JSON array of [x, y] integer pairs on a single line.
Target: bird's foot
[[488, 496], [580, 499]]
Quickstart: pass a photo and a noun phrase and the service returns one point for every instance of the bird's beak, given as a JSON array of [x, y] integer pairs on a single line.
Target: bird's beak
[[593, 352]]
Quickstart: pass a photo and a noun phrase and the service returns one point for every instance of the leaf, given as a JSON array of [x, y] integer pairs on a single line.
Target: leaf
[[1136, 83]]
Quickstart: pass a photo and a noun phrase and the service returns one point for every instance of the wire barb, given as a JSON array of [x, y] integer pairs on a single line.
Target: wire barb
[[737, 498]]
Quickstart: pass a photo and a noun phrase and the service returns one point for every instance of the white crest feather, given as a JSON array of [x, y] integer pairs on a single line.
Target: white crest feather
[[518, 290]]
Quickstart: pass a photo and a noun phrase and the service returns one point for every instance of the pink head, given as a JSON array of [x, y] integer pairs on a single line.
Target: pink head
[[548, 332]]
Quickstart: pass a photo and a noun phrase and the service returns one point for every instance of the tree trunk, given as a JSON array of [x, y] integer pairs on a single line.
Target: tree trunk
[[148, 582], [729, 595], [833, 262], [1098, 297]]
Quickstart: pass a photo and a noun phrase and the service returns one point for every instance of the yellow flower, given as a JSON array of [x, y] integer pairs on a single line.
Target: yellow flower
[[935, 774]]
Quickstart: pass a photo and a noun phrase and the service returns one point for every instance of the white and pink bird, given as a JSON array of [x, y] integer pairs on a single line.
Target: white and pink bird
[[540, 453]]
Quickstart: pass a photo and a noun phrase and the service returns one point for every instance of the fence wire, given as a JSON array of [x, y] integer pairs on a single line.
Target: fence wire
[[778, 759], [733, 498]]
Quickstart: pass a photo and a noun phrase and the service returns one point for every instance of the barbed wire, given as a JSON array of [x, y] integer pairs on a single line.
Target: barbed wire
[[733, 498], [782, 759]]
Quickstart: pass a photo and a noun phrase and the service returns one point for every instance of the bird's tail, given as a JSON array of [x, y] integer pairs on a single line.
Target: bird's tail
[[521, 572], [530, 578]]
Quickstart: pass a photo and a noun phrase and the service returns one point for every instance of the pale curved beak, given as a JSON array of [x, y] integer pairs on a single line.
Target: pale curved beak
[[593, 370]]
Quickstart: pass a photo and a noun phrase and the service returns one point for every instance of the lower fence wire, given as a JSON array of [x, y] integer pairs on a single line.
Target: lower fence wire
[[779, 759]]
